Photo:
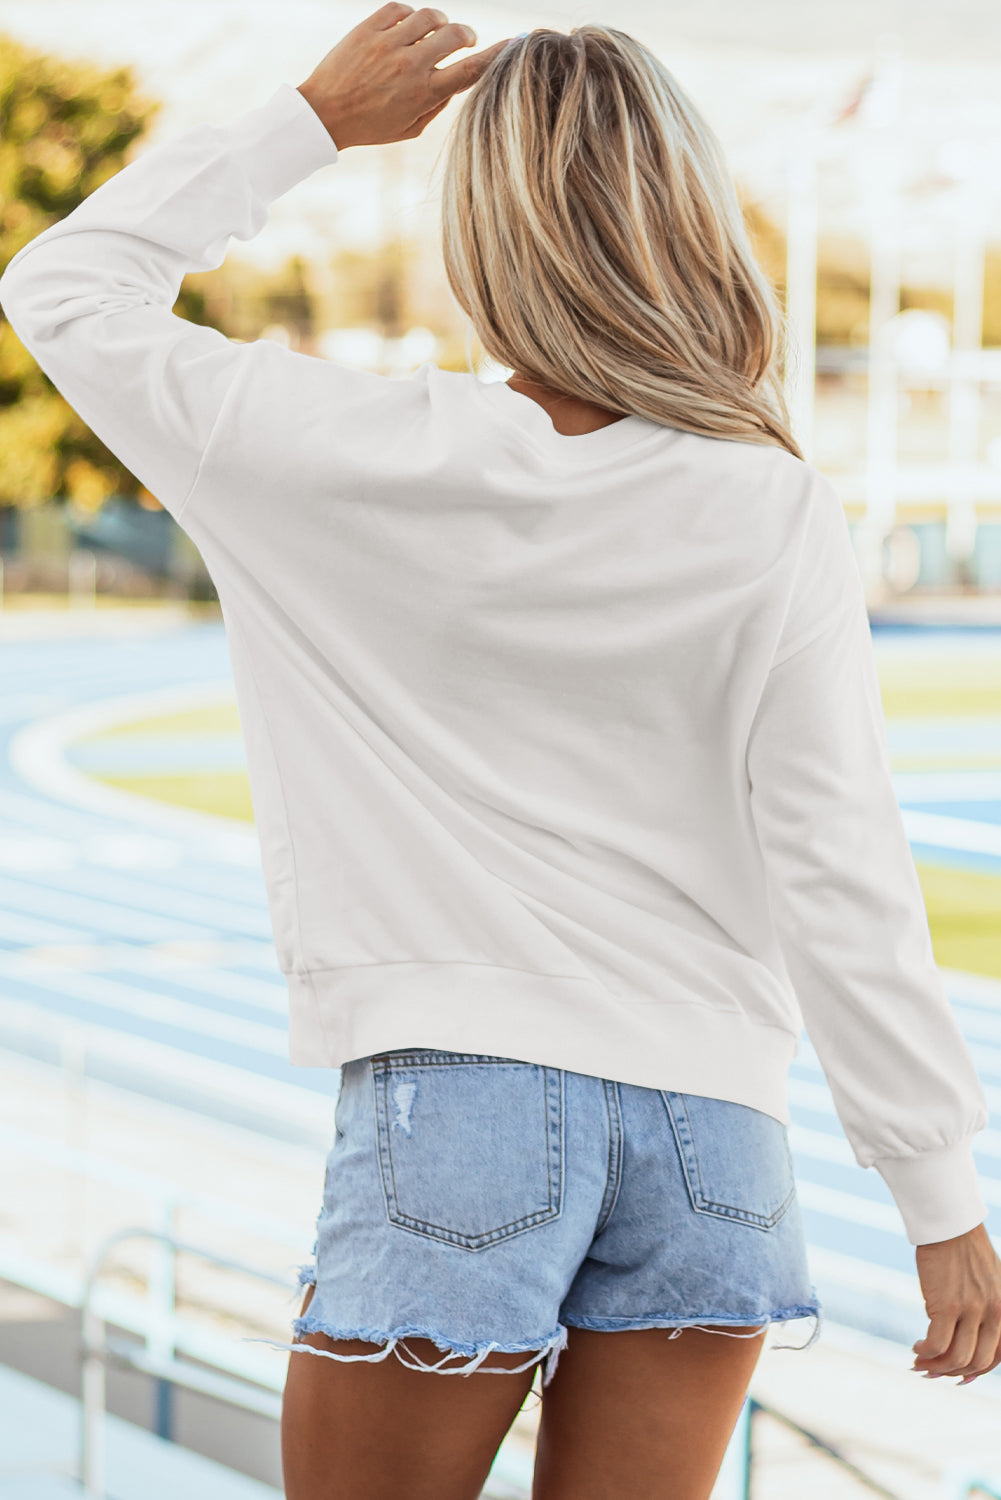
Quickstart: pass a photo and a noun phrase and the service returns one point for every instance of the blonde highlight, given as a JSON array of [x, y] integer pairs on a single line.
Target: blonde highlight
[[592, 233]]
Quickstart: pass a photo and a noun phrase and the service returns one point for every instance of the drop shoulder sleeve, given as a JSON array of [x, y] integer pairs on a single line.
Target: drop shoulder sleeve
[[91, 296], [847, 903]]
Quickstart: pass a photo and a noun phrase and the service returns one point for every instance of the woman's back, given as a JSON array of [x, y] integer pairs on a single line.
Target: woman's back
[[508, 678]]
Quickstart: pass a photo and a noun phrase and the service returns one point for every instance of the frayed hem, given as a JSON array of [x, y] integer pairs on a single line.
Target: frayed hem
[[678, 1325], [549, 1349], [818, 1321]]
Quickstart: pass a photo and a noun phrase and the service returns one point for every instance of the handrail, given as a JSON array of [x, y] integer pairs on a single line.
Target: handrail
[[158, 1357], [752, 1406], [246, 1382]]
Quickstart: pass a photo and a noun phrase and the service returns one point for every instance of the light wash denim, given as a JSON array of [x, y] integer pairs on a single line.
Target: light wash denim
[[490, 1204]]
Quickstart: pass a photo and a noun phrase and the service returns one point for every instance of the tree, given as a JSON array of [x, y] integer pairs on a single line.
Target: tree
[[65, 128]]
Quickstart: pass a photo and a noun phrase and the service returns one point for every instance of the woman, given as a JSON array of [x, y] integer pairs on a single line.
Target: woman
[[568, 763]]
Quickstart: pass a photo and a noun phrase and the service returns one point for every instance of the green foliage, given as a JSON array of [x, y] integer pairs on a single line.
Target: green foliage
[[65, 127]]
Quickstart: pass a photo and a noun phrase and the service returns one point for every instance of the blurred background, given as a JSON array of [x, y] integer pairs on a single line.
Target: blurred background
[[160, 1161]]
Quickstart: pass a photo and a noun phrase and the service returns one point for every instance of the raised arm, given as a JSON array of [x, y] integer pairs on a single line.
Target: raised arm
[[91, 297]]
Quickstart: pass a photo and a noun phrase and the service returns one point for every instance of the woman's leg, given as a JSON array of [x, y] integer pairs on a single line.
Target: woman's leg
[[638, 1413], [379, 1430]]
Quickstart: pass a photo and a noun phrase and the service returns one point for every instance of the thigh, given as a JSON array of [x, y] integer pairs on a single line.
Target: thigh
[[361, 1431], [638, 1413], [450, 1222]]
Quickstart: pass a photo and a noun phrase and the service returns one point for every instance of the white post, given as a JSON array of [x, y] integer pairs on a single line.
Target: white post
[[73, 1055], [93, 1403], [162, 1300], [83, 577], [801, 289], [964, 387], [884, 303]]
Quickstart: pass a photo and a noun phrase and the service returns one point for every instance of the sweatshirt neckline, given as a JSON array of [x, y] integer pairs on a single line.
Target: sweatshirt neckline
[[534, 422]]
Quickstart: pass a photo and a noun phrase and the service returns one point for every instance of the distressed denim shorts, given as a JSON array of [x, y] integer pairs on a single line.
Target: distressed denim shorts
[[490, 1204]]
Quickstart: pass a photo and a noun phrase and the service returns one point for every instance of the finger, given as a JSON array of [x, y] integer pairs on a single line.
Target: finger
[[992, 1366], [958, 1355], [438, 44], [938, 1338], [985, 1351], [417, 25], [464, 73], [387, 16]]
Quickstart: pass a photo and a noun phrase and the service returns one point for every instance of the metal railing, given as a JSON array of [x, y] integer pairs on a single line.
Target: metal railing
[[744, 1436], [157, 1356], [222, 1367], [216, 1366]]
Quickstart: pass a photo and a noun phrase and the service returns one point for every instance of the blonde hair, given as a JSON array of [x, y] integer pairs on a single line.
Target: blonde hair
[[593, 235]]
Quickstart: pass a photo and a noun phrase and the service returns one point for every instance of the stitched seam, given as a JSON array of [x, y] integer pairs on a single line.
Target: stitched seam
[[701, 1202], [296, 904], [439, 1231], [230, 389], [437, 963], [842, 608], [614, 1179]]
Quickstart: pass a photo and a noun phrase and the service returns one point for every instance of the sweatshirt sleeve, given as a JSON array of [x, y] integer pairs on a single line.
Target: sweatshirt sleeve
[[90, 297], [846, 899]]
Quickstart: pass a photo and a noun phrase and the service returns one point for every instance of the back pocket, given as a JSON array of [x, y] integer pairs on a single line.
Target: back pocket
[[736, 1159], [470, 1146]]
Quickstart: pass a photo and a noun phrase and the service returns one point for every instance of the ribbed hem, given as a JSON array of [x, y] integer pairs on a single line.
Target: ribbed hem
[[937, 1192], [340, 1014]]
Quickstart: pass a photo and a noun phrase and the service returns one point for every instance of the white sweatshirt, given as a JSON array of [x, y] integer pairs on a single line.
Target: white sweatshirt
[[565, 749]]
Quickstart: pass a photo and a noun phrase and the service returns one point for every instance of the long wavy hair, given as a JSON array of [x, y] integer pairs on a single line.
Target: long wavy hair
[[592, 234]]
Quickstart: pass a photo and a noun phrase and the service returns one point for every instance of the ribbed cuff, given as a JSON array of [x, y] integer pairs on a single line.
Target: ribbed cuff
[[937, 1192], [282, 142]]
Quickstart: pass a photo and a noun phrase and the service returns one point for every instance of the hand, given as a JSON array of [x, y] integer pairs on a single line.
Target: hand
[[961, 1284], [380, 82]]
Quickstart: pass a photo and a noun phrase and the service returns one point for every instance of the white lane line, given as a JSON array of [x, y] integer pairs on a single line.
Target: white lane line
[[36, 754], [16, 927], [100, 990], [977, 1024], [849, 1207], [167, 967], [128, 893], [963, 834], [866, 1275], [973, 989], [948, 786], [867, 1211], [227, 1082], [816, 1097], [117, 851], [206, 966], [91, 912], [154, 913]]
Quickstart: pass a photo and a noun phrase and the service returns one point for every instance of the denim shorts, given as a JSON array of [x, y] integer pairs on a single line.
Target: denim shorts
[[485, 1203]]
